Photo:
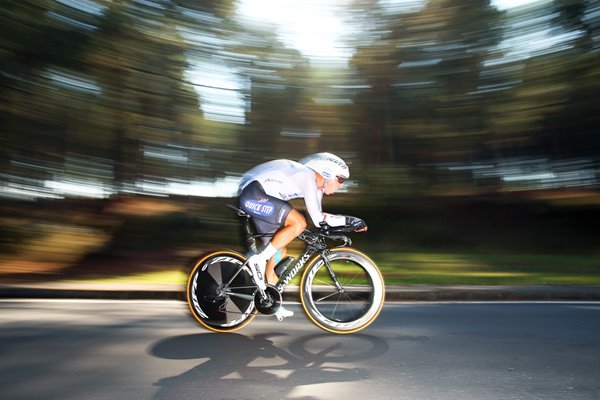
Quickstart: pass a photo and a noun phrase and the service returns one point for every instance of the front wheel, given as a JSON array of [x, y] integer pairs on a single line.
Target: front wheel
[[343, 294], [220, 292]]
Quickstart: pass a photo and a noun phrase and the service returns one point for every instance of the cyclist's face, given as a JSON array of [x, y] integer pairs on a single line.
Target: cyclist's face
[[332, 185]]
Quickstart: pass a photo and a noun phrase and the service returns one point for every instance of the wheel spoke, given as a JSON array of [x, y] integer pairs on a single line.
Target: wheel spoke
[[326, 297], [241, 295]]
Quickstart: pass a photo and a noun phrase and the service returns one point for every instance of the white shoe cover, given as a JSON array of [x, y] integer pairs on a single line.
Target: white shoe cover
[[283, 313], [257, 266]]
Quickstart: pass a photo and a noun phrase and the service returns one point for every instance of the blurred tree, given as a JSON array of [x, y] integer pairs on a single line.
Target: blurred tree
[[278, 80], [222, 9], [424, 69], [572, 132], [137, 58], [550, 109], [36, 41], [101, 91], [577, 16]]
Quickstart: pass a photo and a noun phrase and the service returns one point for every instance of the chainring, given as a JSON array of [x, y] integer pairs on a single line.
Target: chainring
[[271, 304]]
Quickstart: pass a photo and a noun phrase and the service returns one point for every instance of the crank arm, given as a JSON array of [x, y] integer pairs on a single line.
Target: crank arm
[[241, 295]]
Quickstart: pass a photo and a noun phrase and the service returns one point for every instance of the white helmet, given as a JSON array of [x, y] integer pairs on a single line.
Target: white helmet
[[327, 164]]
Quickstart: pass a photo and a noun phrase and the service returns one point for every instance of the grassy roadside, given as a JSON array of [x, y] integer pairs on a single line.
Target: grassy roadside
[[437, 241], [442, 269], [489, 269]]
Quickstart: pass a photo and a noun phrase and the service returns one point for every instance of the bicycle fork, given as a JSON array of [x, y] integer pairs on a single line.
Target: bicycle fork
[[332, 275]]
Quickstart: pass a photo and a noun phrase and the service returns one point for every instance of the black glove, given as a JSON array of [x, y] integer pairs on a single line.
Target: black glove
[[356, 223]]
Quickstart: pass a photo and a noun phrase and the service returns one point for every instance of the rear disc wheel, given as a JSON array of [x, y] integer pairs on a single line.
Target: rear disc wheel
[[216, 301]]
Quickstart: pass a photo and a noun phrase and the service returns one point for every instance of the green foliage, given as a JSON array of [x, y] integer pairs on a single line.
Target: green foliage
[[426, 86], [100, 93]]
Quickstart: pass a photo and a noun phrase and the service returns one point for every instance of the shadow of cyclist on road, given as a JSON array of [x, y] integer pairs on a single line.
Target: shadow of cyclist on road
[[248, 367]]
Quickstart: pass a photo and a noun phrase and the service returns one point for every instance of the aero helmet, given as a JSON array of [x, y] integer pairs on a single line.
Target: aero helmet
[[327, 164]]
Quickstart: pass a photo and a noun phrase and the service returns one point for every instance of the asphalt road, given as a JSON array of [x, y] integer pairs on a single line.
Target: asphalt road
[[108, 349]]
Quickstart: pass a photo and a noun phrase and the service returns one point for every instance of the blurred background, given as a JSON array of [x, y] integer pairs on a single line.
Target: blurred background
[[470, 128]]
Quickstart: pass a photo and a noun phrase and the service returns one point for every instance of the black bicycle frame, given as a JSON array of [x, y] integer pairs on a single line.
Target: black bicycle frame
[[310, 250], [314, 243]]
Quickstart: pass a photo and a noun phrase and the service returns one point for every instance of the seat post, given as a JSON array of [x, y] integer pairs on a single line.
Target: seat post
[[249, 232], [247, 227]]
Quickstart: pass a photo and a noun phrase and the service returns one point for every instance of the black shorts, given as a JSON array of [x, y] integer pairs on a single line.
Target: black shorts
[[268, 213]]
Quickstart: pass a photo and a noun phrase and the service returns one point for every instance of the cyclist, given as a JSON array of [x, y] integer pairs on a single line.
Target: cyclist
[[264, 194]]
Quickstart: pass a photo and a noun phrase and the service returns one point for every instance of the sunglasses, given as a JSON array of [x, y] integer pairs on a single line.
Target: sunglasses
[[340, 179]]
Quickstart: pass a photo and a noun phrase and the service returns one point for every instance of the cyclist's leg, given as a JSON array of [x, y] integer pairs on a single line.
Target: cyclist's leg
[[264, 228], [273, 261], [295, 223], [269, 215], [281, 237]]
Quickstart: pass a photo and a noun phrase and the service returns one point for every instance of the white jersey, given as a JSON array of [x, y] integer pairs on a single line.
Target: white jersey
[[285, 180]]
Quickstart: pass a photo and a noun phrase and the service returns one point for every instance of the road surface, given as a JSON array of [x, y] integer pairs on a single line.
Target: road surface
[[74, 349]]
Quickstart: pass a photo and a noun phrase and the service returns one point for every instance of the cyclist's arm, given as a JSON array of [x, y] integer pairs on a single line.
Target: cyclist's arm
[[357, 224], [312, 199], [334, 220]]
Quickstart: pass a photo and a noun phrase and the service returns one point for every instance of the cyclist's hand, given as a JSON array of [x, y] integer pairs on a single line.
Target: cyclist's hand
[[356, 223]]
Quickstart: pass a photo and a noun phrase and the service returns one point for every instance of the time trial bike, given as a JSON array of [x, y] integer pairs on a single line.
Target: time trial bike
[[341, 289]]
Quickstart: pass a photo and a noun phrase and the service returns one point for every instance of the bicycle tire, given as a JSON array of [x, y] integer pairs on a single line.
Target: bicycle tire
[[352, 309], [221, 312]]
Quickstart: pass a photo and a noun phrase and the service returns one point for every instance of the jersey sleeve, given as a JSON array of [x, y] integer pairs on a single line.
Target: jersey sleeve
[[312, 197]]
